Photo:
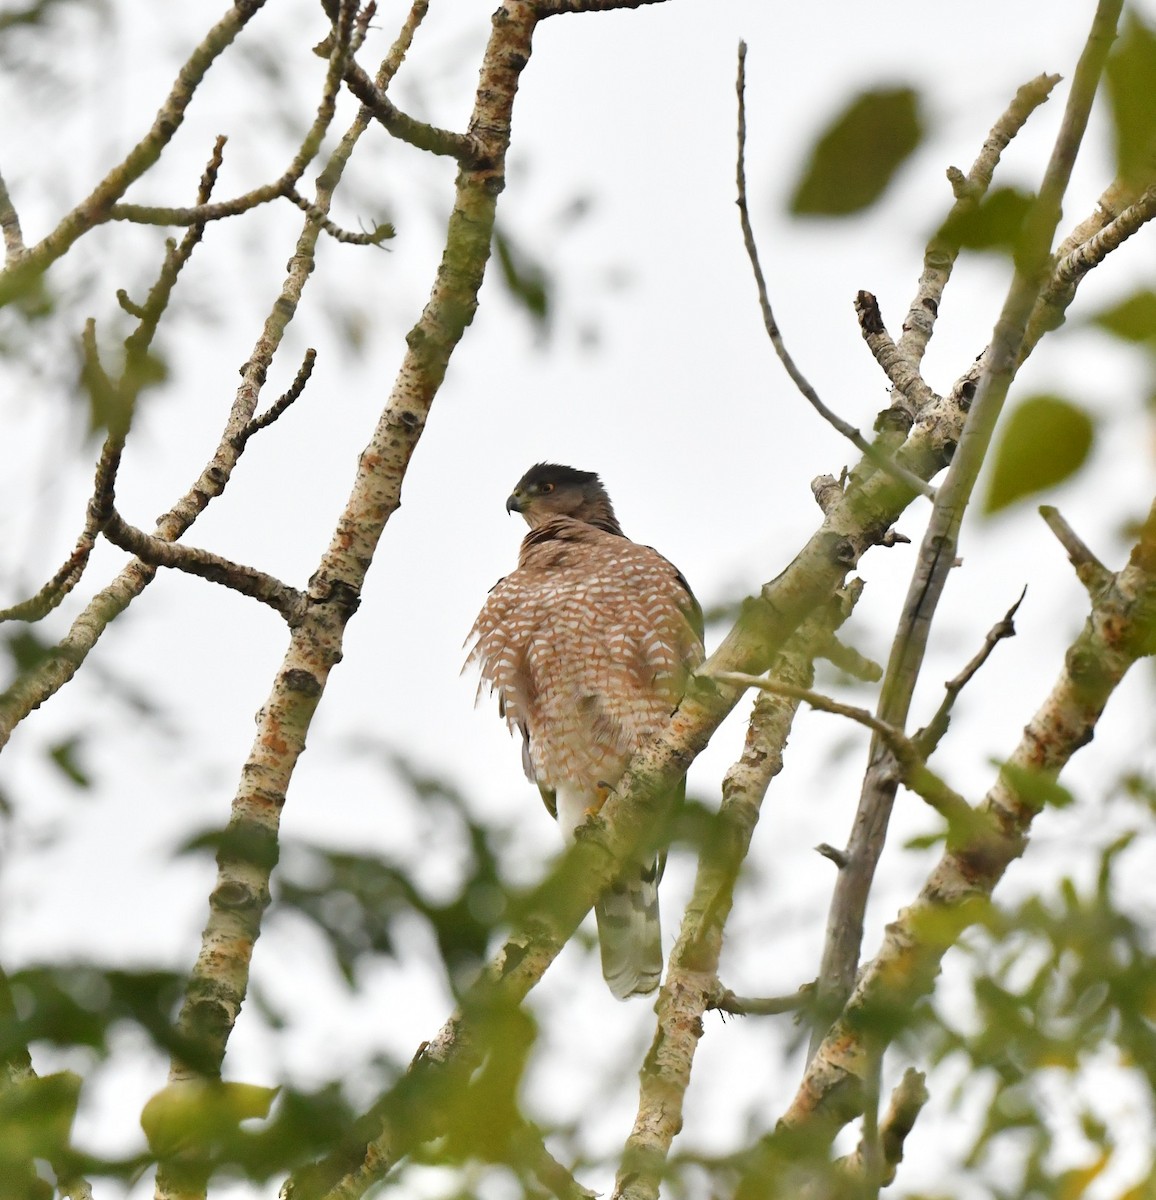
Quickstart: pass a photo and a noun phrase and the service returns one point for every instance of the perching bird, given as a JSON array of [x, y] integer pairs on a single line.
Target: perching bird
[[589, 644]]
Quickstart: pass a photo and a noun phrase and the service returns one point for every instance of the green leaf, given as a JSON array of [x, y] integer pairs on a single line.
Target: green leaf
[[526, 280], [994, 224], [856, 156], [1131, 72], [1044, 440], [66, 758], [36, 1116], [1133, 319], [1037, 788]]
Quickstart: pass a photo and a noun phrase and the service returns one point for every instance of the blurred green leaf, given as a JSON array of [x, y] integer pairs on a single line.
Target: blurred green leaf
[[994, 224], [526, 280], [36, 1117], [1044, 440], [195, 1113], [1133, 319], [65, 756], [1131, 75], [27, 650], [1037, 788], [855, 158]]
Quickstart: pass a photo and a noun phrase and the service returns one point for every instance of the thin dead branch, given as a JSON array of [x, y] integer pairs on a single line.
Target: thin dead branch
[[929, 737], [873, 453]]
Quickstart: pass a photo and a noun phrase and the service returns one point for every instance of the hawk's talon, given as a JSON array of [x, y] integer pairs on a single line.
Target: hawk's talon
[[601, 795]]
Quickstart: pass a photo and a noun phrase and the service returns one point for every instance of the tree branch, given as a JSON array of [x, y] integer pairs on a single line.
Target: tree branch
[[460, 146], [158, 552], [877, 456], [938, 550], [1089, 570], [95, 209], [942, 251], [905, 378], [219, 980], [726, 1001], [116, 403]]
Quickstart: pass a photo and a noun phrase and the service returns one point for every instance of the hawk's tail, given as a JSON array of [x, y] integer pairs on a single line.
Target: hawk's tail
[[629, 932]]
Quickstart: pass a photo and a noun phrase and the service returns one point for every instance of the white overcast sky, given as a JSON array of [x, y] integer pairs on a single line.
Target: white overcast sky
[[657, 374]]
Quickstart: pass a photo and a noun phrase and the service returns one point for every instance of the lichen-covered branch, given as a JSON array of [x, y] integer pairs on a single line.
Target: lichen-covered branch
[[406, 128]]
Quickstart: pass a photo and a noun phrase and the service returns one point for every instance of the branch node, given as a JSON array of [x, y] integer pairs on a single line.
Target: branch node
[[838, 857]]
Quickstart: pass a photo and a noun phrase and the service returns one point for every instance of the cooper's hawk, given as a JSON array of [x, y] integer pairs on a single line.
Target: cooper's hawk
[[589, 644]]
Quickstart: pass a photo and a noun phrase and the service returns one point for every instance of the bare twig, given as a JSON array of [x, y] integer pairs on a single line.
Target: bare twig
[[1089, 570], [285, 187], [114, 403], [876, 456], [1117, 219], [766, 1006], [304, 371], [938, 550], [401, 44], [531, 1150], [848, 660], [929, 737]]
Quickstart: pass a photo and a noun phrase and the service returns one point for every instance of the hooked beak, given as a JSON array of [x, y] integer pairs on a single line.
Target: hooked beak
[[514, 502]]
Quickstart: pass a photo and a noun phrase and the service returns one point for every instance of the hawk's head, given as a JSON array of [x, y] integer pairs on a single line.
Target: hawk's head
[[549, 490]]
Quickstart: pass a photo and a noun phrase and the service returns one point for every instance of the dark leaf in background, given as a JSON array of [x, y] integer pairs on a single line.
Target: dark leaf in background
[[1043, 441], [27, 651], [526, 280], [855, 158], [1133, 319], [65, 755], [1132, 89], [78, 1005], [994, 224]]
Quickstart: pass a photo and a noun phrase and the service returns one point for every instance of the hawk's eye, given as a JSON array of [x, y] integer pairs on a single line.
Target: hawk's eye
[[545, 488]]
